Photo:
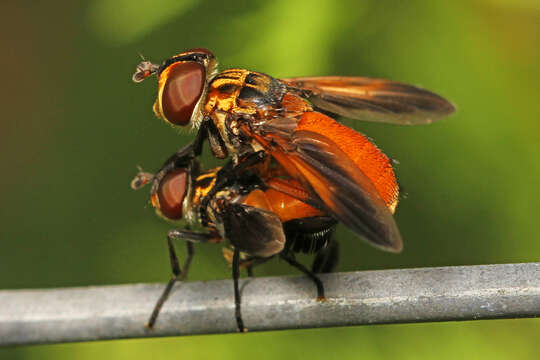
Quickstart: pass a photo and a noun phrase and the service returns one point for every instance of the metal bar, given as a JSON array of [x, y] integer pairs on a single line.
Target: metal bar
[[369, 297]]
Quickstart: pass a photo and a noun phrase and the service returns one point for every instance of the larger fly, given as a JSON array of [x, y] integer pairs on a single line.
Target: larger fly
[[244, 113]]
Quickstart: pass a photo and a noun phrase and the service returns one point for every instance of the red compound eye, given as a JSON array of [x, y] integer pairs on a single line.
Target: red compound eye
[[171, 193], [182, 90]]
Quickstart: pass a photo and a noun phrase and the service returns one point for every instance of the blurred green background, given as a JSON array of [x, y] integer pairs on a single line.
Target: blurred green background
[[74, 126]]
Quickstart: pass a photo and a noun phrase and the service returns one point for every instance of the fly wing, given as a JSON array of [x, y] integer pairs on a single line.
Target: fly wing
[[345, 190], [369, 99], [252, 230], [335, 184]]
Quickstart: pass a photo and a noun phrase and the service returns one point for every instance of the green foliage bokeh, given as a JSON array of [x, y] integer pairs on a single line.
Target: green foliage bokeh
[[74, 126]]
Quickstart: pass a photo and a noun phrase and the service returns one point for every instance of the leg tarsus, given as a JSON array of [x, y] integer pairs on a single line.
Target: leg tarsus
[[237, 298], [311, 275], [178, 275]]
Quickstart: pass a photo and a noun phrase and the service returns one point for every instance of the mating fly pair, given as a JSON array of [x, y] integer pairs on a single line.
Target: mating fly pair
[[272, 130]]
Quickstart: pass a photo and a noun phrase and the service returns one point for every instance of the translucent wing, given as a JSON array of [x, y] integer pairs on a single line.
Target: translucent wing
[[368, 99], [254, 231], [335, 182]]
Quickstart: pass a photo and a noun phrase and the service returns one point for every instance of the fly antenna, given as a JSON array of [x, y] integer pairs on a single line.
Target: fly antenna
[[144, 69]]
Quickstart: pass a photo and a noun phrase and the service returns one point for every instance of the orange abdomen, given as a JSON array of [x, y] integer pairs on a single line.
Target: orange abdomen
[[284, 206], [375, 165]]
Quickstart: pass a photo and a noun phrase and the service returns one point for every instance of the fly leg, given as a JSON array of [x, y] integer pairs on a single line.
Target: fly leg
[[191, 150], [247, 262], [183, 158], [237, 261], [320, 288], [327, 258], [178, 274], [250, 263], [237, 299]]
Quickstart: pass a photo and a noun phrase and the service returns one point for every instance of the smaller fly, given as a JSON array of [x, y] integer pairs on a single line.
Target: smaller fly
[[240, 208]]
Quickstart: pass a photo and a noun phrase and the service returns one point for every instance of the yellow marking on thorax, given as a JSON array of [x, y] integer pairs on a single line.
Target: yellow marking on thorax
[[200, 191]]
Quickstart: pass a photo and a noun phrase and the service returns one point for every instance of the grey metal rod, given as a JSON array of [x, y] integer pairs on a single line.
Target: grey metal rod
[[368, 297]]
